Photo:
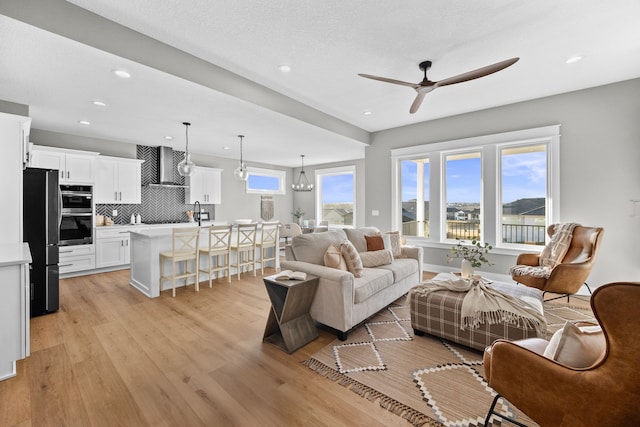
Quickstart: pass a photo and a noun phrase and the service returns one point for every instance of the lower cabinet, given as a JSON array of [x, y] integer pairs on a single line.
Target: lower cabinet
[[112, 251], [77, 258]]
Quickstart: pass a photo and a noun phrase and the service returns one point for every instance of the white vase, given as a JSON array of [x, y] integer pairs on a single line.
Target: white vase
[[466, 268]]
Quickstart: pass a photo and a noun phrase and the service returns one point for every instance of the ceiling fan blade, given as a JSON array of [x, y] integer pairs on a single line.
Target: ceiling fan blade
[[480, 72], [386, 80], [417, 102]]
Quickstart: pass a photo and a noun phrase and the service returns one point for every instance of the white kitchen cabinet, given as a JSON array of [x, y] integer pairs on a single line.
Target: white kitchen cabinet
[[13, 129], [112, 247], [14, 306], [74, 166], [118, 180], [76, 258], [205, 186]]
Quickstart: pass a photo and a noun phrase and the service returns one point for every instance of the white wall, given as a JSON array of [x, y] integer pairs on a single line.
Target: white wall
[[600, 173]]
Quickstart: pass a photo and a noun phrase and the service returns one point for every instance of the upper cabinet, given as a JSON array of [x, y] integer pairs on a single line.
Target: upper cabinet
[[205, 186], [74, 166], [118, 180]]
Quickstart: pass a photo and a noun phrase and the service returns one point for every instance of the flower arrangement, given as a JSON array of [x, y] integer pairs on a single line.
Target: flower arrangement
[[474, 253], [298, 213]]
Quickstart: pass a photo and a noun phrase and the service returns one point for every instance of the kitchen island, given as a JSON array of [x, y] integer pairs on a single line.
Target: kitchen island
[[146, 245]]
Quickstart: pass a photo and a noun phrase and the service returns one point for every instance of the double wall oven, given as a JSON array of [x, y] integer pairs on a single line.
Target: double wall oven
[[76, 224]]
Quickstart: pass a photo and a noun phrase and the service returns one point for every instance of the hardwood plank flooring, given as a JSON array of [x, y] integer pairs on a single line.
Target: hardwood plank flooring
[[113, 357]]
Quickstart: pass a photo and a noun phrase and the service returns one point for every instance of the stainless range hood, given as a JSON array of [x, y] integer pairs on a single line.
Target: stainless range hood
[[166, 170]]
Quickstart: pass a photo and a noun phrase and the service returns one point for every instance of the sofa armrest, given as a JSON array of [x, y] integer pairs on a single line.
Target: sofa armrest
[[333, 302], [415, 252]]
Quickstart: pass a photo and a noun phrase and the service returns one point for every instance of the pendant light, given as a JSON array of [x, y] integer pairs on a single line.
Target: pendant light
[[241, 173], [303, 183], [186, 167]]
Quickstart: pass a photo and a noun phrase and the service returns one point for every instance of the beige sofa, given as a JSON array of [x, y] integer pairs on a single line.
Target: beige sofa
[[342, 301]]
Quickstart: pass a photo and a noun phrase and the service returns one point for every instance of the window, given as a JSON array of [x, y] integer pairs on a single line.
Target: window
[[523, 189], [265, 181], [335, 195], [502, 189], [463, 189], [415, 197]]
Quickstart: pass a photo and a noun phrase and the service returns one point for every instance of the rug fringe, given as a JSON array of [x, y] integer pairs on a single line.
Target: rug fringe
[[416, 418]]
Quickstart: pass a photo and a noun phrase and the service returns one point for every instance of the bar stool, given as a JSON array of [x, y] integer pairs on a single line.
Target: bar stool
[[269, 238], [184, 248], [219, 249], [245, 247]]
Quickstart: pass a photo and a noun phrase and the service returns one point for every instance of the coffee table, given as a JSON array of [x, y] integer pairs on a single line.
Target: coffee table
[[290, 325]]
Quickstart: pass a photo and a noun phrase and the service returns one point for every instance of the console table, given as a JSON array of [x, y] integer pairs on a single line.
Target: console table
[[290, 325]]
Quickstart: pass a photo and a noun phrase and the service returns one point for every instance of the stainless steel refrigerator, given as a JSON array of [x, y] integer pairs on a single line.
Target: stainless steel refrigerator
[[41, 225]]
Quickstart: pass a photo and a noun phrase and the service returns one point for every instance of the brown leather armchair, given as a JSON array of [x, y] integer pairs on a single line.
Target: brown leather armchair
[[568, 276], [552, 394]]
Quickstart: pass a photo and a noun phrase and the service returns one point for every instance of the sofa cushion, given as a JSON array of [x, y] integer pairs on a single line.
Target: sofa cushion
[[401, 268], [373, 280], [396, 243], [376, 258], [333, 258], [356, 236], [351, 258], [374, 243], [312, 246]]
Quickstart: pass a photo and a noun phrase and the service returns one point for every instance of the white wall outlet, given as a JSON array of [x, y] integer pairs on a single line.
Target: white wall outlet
[[115, 212], [375, 212]]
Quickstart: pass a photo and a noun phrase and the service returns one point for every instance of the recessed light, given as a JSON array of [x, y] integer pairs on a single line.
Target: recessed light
[[284, 68], [99, 103], [573, 59], [84, 122], [225, 147], [168, 137], [367, 113], [122, 74]]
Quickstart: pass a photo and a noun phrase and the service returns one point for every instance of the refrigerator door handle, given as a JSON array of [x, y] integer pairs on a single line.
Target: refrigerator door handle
[[59, 209]]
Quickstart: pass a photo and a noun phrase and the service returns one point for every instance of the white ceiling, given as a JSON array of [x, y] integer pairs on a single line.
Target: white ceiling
[[58, 66]]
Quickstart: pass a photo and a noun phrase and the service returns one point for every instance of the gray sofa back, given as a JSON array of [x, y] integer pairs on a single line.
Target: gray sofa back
[[312, 246]]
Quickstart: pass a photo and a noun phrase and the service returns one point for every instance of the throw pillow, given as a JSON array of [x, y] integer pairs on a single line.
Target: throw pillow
[[374, 243], [376, 258], [396, 246], [333, 258], [577, 346], [351, 258]]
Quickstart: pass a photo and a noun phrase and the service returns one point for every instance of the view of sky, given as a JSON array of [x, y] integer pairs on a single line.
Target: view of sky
[[337, 188], [523, 176]]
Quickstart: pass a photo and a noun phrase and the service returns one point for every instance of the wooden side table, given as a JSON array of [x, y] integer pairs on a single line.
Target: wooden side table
[[290, 325]]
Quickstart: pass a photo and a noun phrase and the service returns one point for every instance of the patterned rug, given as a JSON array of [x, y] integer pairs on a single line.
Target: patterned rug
[[426, 380]]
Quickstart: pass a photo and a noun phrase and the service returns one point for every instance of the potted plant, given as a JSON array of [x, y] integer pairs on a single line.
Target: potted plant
[[473, 256], [298, 214]]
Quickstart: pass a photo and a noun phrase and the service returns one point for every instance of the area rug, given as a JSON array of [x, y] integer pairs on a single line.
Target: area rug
[[426, 380]]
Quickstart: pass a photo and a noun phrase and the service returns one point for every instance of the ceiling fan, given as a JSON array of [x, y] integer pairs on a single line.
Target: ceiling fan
[[426, 85]]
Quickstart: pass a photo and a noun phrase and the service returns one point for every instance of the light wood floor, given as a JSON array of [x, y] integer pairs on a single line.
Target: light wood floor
[[112, 357]]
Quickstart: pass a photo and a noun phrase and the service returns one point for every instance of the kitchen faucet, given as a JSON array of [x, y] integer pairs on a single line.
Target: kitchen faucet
[[197, 212]]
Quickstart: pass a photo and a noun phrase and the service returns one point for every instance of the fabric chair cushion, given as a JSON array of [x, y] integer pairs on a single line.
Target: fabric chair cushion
[[333, 258], [351, 258], [376, 258], [576, 346], [374, 243]]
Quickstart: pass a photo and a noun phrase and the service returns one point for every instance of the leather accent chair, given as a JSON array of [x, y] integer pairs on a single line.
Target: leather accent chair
[[571, 273], [552, 394]]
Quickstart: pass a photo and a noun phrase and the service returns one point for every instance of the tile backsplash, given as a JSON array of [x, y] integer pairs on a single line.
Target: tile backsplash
[[158, 203]]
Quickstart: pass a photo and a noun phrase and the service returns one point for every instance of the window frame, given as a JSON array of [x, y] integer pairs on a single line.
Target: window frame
[[490, 147], [340, 170], [271, 173]]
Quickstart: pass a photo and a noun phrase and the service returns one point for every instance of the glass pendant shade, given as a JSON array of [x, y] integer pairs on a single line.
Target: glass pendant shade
[[186, 167], [241, 173], [302, 184]]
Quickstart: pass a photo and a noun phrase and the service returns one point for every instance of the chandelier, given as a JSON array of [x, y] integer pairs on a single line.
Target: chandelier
[[303, 183], [186, 167], [241, 173]]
